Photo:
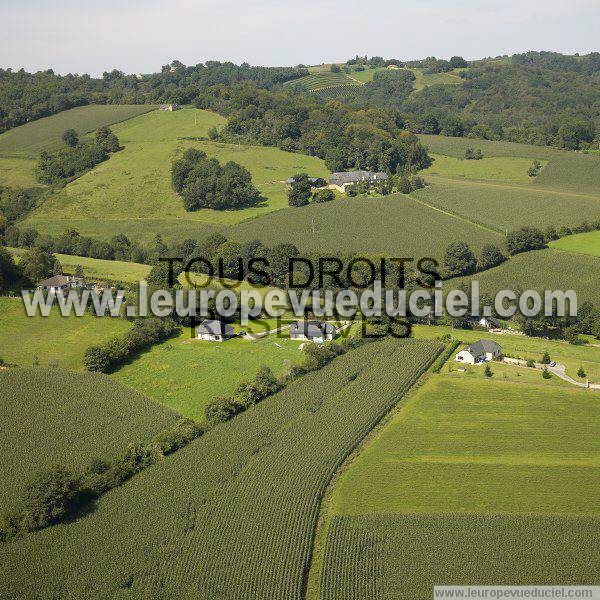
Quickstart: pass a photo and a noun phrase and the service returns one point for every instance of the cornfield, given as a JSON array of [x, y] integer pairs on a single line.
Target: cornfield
[[231, 516], [404, 556]]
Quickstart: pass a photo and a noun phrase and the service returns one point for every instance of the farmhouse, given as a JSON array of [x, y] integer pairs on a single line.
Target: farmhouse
[[170, 107], [59, 283], [212, 330], [488, 323], [340, 181], [312, 330], [480, 351]]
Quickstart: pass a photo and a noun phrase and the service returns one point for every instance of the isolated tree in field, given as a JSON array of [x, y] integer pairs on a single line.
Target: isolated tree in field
[[70, 138], [79, 271], [459, 259], [335, 69], [546, 360], [534, 169], [300, 190], [546, 374], [37, 264], [488, 371], [471, 154], [581, 372], [490, 256]]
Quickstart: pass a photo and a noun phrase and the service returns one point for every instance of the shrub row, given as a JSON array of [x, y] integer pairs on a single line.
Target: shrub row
[[445, 355], [58, 494], [143, 334]]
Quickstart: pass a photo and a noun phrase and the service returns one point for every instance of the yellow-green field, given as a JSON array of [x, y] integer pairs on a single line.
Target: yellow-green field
[[132, 193], [52, 340], [581, 243], [422, 80], [18, 172], [481, 447], [185, 373], [506, 168]]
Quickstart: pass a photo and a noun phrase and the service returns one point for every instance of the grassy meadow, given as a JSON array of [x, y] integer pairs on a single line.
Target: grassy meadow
[[185, 373], [18, 172], [131, 192], [51, 416], [581, 243], [495, 168], [52, 340], [423, 80], [325, 79], [46, 134]]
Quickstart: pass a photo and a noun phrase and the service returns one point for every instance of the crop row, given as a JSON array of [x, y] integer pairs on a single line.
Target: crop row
[[233, 514], [405, 556]]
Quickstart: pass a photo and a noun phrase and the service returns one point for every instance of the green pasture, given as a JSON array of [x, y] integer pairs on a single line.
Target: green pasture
[[18, 172], [581, 243]]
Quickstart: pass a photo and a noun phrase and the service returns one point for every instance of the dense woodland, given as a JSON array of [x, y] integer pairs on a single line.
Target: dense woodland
[[542, 98]]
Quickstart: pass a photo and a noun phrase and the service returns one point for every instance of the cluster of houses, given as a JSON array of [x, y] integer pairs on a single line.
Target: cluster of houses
[[61, 284], [213, 330], [342, 180]]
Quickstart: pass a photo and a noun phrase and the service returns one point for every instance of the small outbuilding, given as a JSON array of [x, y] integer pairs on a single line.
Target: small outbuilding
[[313, 331], [213, 330], [480, 351], [341, 180]]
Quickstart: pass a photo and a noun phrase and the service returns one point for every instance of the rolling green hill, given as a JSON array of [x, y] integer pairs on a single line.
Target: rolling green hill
[[51, 416], [131, 193]]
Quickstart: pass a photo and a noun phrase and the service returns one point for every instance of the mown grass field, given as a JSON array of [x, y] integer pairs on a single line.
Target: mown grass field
[[131, 192], [51, 416], [495, 168], [456, 147], [461, 462], [45, 134], [51, 340], [194, 523], [394, 225], [185, 373], [423, 80], [506, 206], [541, 270], [581, 243]]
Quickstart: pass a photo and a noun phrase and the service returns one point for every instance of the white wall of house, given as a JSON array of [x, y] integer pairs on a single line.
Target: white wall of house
[[209, 337], [466, 357]]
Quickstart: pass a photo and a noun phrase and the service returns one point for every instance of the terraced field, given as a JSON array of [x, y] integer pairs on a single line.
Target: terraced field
[[51, 416], [463, 462], [319, 81], [392, 225], [131, 192], [193, 524]]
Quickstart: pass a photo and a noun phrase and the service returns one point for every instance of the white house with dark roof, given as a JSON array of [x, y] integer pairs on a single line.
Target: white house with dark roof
[[480, 351], [313, 331], [340, 181], [212, 330], [57, 284]]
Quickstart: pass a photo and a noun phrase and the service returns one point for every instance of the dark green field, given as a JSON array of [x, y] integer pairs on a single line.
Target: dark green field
[[51, 416], [232, 515], [393, 225]]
